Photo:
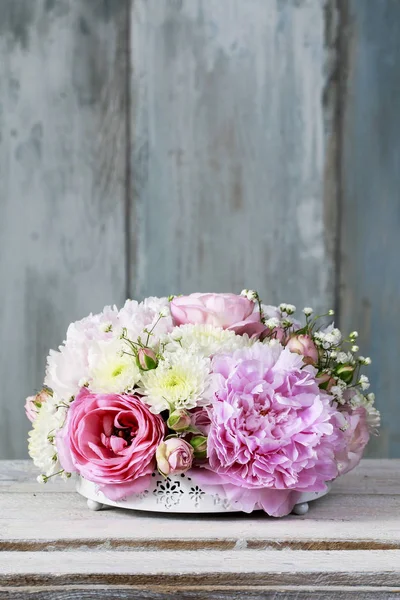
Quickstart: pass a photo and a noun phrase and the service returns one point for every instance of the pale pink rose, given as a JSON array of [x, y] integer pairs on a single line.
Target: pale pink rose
[[30, 409], [303, 345], [174, 456], [111, 439], [228, 311], [356, 436], [33, 403]]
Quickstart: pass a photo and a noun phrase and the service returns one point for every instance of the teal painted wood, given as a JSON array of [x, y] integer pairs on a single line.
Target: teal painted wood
[[229, 149], [370, 211], [62, 194]]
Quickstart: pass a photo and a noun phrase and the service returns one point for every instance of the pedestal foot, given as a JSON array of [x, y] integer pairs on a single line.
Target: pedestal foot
[[93, 505], [300, 509]]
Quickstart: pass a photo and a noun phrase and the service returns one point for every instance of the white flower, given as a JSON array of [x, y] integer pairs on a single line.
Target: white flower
[[181, 380], [307, 310], [287, 308], [354, 334], [272, 323], [111, 369], [373, 418], [205, 340], [342, 357], [41, 439], [364, 382], [367, 361], [331, 312], [355, 348], [147, 315], [249, 294]]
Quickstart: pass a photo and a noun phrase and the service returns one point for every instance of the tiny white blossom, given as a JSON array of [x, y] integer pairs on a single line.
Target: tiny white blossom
[[331, 312], [355, 348], [342, 357], [371, 397], [41, 479], [336, 390], [282, 307], [367, 361], [307, 310], [290, 309], [333, 354], [164, 312], [354, 334], [272, 323], [364, 382], [249, 294]]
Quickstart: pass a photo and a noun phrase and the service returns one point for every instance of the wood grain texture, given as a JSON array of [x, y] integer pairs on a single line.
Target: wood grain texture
[[362, 512], [228, 152], [370, 241], [62, 195], [280, 592], [68, 552]]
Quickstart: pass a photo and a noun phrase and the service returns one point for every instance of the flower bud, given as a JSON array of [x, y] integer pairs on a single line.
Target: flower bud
[[179, 420], [325, 381], [34, 403], [199, 445], [345, 372], [146, 359], [304, 345], [174, 456]]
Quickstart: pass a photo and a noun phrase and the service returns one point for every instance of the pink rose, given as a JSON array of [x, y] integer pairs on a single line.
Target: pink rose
[[174, 456], [228, 311], [303, 344], [110, 439], [33, 403], [356, 436]]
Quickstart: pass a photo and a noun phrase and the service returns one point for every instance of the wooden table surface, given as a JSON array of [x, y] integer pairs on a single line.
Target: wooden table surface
[[52, 546]]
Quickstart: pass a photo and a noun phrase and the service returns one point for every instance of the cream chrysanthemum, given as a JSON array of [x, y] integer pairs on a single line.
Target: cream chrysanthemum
[[181, 380], [42, 448], [205, 340], [111, 368]]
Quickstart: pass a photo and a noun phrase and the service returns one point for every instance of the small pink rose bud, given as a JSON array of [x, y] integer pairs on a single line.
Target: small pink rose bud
[[147, 359], [179, 420], [345, 372], [174, 456], [34, 403], [199, 445], [303, 344], [325, 381]]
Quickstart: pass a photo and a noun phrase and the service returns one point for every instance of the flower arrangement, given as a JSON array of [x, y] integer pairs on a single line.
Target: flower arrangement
[[239, 394]]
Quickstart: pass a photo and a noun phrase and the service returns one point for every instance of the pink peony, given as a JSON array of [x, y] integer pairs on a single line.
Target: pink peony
[[174, 456], [110, 439], [228, 311], [356, 436], [273, 431]]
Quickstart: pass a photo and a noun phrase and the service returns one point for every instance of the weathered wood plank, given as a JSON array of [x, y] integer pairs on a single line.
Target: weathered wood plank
[[370, 207], [360, 517], [62, 194], [185, 593], [228, 153], [200, 568]]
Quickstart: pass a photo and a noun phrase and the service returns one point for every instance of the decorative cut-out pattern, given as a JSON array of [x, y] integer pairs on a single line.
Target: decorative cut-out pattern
[[168, 492], [220, 501], [196, 495]]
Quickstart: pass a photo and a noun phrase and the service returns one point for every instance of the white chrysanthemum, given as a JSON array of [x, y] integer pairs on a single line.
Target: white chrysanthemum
[[205, 340], [42, 448], [181, 380], [111, 369]]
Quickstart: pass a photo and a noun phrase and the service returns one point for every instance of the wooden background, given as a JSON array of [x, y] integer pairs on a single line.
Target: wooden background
[[150, 147]]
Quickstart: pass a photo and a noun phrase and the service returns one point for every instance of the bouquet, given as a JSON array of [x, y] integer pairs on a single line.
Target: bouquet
[[245, 397]]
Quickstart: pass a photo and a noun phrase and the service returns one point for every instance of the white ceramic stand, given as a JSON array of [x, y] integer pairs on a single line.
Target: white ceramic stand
[[177, 494]]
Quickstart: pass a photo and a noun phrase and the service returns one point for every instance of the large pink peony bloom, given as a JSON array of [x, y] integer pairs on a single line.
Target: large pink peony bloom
[[110, 439], [273, 432], [228, 311]]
